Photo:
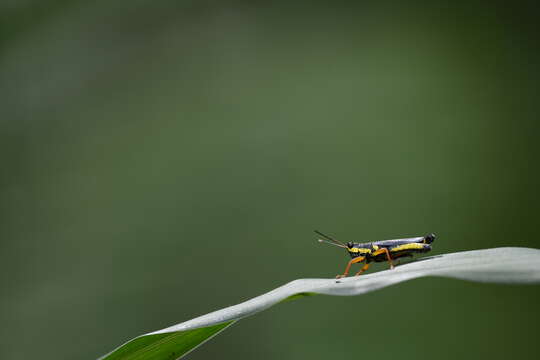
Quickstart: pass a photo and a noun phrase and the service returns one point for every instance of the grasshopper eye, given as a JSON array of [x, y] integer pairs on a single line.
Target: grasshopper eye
[[350, 244]]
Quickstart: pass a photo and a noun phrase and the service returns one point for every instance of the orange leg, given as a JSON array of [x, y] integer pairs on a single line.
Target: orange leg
[[364, 268], [382, 251], [353, 261]]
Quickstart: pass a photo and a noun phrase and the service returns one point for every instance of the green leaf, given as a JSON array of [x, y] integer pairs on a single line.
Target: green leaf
[[170, 345], [500, 265]]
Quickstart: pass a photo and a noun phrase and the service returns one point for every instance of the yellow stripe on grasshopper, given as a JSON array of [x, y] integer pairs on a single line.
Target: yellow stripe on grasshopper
[[359, 250], [407, 247]]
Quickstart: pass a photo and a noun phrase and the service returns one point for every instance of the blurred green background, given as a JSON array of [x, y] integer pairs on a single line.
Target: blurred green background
[[164, 159]]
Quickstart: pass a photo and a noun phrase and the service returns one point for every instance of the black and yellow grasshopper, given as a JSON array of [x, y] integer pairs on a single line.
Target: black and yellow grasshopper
[[377, 251]]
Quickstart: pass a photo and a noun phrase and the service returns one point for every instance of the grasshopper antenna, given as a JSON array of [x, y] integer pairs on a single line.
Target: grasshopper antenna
[[332, 240]]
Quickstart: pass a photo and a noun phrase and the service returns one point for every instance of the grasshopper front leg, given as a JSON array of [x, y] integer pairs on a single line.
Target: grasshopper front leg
[[353, 261]]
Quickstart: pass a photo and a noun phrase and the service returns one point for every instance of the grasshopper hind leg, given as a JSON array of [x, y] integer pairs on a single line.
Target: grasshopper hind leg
[[388, 257]]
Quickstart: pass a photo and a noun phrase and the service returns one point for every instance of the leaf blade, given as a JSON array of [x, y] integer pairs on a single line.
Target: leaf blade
[[172, 345], [499, 265]]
